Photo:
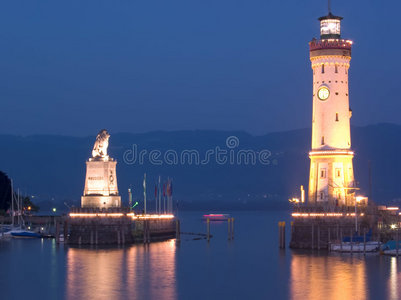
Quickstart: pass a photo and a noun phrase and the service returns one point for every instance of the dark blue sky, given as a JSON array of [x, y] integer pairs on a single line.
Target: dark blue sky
[[73, 67]]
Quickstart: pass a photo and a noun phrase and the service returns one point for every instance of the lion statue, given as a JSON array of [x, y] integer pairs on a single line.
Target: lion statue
[[101, 144]]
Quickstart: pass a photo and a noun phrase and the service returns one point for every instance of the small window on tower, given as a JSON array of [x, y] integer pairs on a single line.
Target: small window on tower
[[336, 69], [322, 68], [322, 140], [321, 196], [336, 117], [346, 71], [338, 173], [322, 173]]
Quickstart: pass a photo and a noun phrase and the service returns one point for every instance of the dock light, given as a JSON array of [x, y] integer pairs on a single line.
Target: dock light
[[29, 208], [54, 209], [393, 226], [294, 200]]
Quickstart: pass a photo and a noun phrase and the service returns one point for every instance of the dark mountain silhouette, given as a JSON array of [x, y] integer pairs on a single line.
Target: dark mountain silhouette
[[52, 168]]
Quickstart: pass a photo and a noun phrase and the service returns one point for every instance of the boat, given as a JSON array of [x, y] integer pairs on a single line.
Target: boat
[[348, 247], [17, 231], [216, 217], [22, 233], [390, 248]]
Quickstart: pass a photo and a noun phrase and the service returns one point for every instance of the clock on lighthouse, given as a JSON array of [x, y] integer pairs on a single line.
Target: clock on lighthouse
[[323, 93]]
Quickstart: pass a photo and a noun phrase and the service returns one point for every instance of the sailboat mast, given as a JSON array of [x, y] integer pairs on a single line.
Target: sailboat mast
[[12, 203]]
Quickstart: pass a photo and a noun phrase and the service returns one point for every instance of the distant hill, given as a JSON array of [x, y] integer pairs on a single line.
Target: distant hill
[[52, 168]]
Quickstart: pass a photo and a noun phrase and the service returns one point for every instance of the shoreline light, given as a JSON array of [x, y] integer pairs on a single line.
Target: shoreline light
[[303, 215], [119, 215]]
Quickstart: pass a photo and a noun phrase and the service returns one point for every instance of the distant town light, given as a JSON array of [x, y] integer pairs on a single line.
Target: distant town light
[[54, 209]]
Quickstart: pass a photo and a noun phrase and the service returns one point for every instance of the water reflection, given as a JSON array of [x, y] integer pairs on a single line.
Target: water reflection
[[394, 279], [137, 272], [328, 277]]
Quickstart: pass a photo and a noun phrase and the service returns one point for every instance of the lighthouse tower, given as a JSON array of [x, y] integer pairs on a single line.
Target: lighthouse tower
[[331, 180]]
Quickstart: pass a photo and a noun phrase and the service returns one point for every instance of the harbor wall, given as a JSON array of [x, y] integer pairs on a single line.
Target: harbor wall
[[121, 230], [318, 233]]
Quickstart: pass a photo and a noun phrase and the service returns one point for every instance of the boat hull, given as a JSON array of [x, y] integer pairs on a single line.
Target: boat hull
[[25, 234]]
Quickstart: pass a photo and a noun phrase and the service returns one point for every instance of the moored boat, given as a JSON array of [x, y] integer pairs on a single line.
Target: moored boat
[[216, 217], [347, 247], [21, 233]]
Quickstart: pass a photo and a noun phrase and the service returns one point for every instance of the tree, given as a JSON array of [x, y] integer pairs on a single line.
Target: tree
[[5, 192]]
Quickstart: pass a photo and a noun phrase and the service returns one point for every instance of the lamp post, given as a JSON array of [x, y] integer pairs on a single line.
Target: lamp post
[[357, 200]]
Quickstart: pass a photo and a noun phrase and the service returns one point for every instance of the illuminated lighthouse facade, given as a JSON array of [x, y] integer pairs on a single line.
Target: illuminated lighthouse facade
[[331, 180]]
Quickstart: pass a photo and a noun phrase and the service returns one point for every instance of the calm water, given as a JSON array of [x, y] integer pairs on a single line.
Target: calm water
[[250, 267]]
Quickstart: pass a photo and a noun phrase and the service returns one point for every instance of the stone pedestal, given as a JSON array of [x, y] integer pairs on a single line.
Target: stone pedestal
[[101, 190]]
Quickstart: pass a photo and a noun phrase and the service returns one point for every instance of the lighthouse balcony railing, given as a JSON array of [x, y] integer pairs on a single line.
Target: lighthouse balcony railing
[[330, 44]]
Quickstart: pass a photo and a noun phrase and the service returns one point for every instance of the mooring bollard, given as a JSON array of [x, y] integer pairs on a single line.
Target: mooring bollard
[[148, 228], [312, 238], [65, 232], [232, 228], [177, 231], [364, 242], [57, 232], [341, 240], [144, 232], [328, 239], [229, 228], [281, 234], [318, 237], [351, 241], [396, 251], [208, 229]]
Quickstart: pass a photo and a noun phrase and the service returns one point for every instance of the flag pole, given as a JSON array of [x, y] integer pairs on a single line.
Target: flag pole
[[160, 197], [144, 193]]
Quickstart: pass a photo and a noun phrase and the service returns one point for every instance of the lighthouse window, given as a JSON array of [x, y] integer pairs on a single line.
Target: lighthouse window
[[322, 140], [322, 173], [336, 69], [321, 195], [322, 68], [338, 173], [336, 117]]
